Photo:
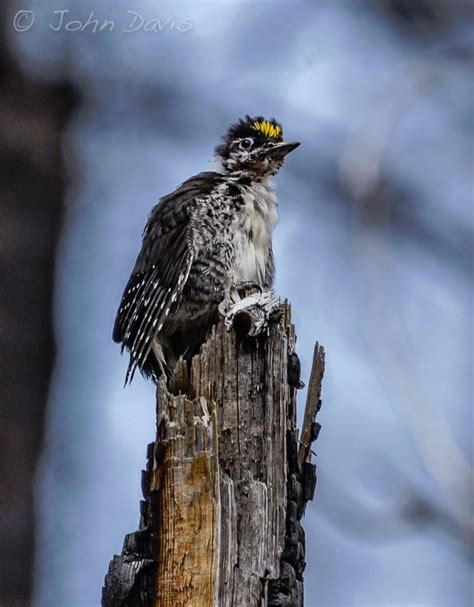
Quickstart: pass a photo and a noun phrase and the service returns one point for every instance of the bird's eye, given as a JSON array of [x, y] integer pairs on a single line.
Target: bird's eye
[[246, 144]]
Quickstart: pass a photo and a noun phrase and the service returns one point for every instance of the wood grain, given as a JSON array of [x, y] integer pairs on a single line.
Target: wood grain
[[224, 489]]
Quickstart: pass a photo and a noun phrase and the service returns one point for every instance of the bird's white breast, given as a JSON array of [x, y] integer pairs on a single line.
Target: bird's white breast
[[257, 220]]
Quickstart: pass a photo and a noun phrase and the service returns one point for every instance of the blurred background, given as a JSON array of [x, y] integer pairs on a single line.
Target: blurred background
[[374, 251]]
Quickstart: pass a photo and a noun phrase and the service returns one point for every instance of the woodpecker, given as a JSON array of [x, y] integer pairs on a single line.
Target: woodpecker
[[208, 237]]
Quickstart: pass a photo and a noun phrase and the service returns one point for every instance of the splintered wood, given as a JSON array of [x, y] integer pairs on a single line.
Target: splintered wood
[[186, 483], [224, 487]]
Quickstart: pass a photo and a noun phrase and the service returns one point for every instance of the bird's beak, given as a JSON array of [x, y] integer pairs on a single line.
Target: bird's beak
[[280, 150]]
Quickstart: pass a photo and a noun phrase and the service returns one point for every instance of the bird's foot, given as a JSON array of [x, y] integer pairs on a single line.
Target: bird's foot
[[248, 287], [236, 293], [252, 314]]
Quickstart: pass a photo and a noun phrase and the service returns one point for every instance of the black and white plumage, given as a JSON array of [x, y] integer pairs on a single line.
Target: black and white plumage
[[200, 243]]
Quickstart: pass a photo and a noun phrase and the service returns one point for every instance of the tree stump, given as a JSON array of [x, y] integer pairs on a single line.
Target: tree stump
[[226, 482]]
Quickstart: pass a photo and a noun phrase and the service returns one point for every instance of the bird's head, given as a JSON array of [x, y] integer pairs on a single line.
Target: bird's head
[[254, 146]]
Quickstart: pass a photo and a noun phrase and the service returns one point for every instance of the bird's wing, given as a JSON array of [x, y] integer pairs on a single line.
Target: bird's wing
[[171, 242]]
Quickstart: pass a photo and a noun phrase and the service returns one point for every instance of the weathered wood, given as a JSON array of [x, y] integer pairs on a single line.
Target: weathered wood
[[310, 431], [185, 480], [224, 490]]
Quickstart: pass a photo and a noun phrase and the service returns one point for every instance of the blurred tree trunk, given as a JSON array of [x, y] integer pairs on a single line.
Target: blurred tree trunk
[[225, 486], [32, 120]]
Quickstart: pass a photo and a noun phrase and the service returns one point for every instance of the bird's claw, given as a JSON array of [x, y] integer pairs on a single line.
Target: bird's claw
[[246, 287], [238, 308], [256, 309]]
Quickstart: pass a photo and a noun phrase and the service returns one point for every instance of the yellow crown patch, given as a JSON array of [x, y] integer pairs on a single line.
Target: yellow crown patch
[[267, 128]]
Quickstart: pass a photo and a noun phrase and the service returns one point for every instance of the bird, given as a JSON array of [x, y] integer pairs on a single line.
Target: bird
[[206, 239]]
